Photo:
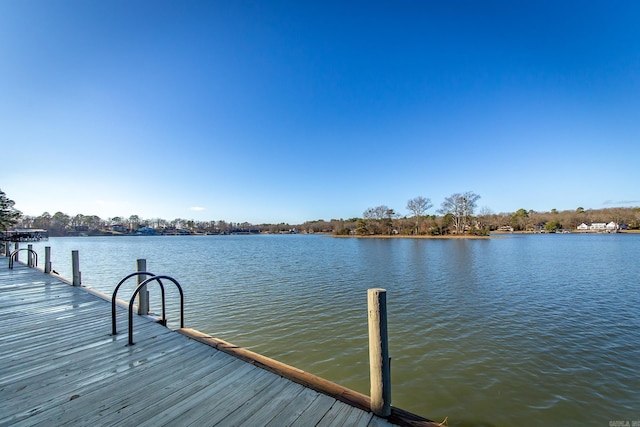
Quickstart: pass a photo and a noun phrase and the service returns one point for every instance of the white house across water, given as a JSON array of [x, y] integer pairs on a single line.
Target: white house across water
[[601, 227]]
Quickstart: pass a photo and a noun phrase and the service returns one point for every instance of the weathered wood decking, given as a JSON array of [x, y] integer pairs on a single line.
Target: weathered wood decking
[[60, 365]]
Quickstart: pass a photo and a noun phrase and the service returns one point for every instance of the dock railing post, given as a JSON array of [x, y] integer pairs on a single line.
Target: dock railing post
[[30, 256], [143, 296], [75, 265], [47, 259], [379, 363]]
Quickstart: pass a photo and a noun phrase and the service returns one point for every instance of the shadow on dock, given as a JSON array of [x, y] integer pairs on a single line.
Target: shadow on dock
[[60, 364]]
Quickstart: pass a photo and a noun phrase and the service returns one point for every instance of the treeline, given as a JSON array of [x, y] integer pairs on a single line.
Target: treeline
[[61, 224], [483, 223], [457, 214], [530, 220]]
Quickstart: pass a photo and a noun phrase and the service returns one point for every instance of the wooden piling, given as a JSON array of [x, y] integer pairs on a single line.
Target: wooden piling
[[15, 248], [7, 249], [143, 296], [47, 259], [75, 264], [379, 363], [30, 255]]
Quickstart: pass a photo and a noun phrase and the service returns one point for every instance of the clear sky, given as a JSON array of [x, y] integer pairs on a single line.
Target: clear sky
[[287, 111]]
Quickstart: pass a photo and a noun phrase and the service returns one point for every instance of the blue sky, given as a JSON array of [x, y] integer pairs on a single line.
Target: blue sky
[[287, 111]]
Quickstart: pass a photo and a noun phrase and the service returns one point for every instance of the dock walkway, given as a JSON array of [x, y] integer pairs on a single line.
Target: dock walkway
[[60, 365]]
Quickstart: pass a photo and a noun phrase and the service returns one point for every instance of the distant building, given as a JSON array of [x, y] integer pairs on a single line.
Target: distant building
[[146, 230], [601, 227], [118, 228], [24, 235], [612, 227]]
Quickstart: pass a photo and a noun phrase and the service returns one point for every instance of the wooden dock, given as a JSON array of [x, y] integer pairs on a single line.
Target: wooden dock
[[60, 365]]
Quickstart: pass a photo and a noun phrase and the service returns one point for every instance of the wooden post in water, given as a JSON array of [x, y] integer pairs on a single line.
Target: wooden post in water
[[143, 296], [16, 247], [47, 259], [30, 255], [379, 363], [75, 265], [7, 249]]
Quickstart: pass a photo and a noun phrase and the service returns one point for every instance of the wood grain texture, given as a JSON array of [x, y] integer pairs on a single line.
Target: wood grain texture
[[60, 365]]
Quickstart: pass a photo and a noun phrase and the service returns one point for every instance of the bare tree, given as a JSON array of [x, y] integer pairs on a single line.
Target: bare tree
[[418, 206], [379, 219], [377, 213], [461, 207], [484, 219], [134, 222]]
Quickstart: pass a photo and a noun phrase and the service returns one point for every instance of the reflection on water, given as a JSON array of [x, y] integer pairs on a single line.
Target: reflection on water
[[522, 330]]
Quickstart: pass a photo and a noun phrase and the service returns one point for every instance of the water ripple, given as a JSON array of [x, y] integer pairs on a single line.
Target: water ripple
[[528, 330]]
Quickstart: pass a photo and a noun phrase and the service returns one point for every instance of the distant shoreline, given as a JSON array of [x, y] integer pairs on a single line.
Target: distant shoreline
[[408, 236], [571, 232], [493, 235]]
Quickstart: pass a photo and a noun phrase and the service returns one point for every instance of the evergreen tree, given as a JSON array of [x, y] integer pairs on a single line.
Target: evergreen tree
[[8, 214]]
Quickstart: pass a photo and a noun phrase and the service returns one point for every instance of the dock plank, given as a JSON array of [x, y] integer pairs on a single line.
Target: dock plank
[[313, 414], [60, 365], [337, 415], [288, 412], [133, 411], [259, 408], [217, 397], [80, 378], [237, 396], [87, 388], [95, 403]]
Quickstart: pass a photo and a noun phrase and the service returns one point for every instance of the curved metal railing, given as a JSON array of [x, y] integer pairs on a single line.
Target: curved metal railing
[[115, 292], [164, 319], [14, 256]]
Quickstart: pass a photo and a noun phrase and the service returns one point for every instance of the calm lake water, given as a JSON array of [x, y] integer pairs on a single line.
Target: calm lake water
[[527, 330]]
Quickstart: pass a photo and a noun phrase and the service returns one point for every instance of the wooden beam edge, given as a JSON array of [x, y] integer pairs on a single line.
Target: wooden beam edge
[[351, 397], [321, 385]]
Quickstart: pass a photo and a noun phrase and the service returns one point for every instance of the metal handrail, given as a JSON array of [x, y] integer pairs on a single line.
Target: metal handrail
[[115, 291], [14, 255], [164, 319]]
